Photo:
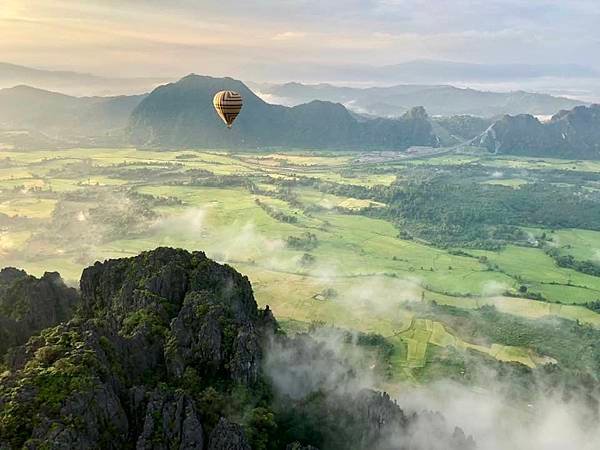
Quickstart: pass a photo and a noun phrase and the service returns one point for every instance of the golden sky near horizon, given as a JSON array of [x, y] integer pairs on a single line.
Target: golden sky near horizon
[[154, 37], [93, 35]]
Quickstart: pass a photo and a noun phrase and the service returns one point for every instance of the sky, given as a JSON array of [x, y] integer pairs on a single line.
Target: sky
[[226, 37]]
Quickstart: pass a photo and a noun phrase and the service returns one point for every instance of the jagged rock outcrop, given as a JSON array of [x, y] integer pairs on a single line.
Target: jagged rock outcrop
[[29, 304], [63, 391], [169, 351], [227, 436], [87, 418], [171, 419], [569, 134], [149, 325], [209, 310]]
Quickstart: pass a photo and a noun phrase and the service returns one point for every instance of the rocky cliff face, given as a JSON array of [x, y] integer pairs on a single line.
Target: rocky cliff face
[[29, 304], [169, 351], [464, 127], [148, 325], [569, 134]]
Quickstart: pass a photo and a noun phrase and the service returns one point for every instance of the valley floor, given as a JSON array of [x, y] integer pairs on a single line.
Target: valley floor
[[313, 256]]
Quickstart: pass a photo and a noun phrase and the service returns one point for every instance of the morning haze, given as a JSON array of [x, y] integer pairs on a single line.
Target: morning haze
[[299, 225]]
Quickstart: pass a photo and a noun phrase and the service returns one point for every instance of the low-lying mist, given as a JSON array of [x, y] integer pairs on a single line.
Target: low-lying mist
[[328, 361], [547, 423]]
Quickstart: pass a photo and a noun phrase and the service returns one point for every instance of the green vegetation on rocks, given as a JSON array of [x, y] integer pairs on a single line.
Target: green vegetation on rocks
[[169, 349]]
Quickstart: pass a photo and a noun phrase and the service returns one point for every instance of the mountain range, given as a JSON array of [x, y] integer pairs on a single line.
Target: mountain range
[[562, 76], [181, 114], [441, 100], [436, 72]]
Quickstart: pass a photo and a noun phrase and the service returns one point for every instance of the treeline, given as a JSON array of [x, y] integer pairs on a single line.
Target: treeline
[[594, 306], [486, 216], [222, 181], [275, 213], [450, 206], [569, 262], [307, 242]]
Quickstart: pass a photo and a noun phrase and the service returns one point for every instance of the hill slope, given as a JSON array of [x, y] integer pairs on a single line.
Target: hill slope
[[181, 114], [29, 304], [569, 134]]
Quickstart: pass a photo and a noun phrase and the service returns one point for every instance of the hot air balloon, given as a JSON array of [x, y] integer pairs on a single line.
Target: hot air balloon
[[228, 105]]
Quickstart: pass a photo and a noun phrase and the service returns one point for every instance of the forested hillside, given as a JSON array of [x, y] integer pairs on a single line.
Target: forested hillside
[[569, 134]]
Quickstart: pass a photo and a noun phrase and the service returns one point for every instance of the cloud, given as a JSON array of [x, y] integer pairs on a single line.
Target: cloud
[[288, 35], [191, 223], [547, 423], [330, 363], [494, 288], [381, 295], [244, 242], [323, 361]]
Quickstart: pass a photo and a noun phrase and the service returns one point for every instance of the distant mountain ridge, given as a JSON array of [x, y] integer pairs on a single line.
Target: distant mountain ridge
[[568, 134], [436, 99], [427, 69], [63, 116], [74, 83], [416, 71]]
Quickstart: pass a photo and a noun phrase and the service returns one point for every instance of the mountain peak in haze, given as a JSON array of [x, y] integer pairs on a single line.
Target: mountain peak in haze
[[571, 133], [181, 114]]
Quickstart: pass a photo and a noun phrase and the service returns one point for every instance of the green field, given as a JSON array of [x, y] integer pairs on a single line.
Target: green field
[[66, 198], [582, 244]]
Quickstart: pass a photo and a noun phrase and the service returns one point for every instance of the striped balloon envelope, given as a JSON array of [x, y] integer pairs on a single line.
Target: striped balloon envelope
[[228, 105]]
